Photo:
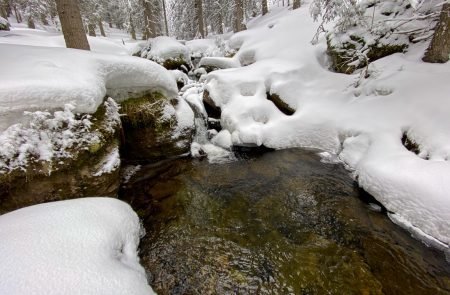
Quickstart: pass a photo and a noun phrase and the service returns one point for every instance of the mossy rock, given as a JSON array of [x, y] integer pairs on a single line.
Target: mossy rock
[[69, 178], [4, 24], [177, 64], [344, 61], [150, 134]]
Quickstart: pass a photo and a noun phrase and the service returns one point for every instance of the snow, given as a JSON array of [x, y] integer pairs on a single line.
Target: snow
[[163, 48], [45, 78], [53, 137], [36, 37], [202, 47], [219, 62], [82, 246], [110, 163], [360, 123]]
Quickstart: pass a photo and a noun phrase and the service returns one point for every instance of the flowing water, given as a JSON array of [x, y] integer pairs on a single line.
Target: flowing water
[[281, 222]]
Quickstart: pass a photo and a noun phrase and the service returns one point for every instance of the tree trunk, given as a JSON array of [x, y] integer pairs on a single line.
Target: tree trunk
[[199, 17], [4, 9], [220, 22], [44, 19], [296, 4], [165, 17], [149, 28], [72, 25], [17, 14], [239, 16], [133, 30], [265, 9], [30, 23], [102, 30], [439, 49], [91, 30]]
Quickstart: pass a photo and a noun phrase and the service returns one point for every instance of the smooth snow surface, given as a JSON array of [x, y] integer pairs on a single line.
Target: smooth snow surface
[[82, 246], [163, 48], [362, 125]]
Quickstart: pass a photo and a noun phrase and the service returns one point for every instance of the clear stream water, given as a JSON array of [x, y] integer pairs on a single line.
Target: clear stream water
[[279, 222]]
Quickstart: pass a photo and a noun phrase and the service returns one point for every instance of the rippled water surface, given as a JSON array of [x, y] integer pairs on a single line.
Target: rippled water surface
[[278, 223]]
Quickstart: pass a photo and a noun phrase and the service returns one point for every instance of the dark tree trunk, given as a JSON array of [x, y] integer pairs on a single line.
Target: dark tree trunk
[[199, 17], [265, 9], [102, 30], [44, 20], [72, 25], [133, 30], [296, 4], [149, 27], [239, 16], [17, 13], [91, 30], [439, 48], [220, 23], [30, 23], [165, 17], [4, 9]]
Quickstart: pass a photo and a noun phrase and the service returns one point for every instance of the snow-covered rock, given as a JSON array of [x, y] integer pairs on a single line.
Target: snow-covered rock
[[82, 246], [167, 52], [41, 78], [4, 24], [215, 63], [362, 122]]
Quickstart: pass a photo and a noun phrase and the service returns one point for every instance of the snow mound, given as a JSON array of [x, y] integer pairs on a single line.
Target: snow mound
[[82, 246], [41, 78], [36, 37], [164, 48], [361, 122], [219, 63]]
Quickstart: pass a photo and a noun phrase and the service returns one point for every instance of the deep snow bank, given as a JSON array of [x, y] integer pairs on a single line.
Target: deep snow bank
[[361, 124], [82, 246], [45, 78]]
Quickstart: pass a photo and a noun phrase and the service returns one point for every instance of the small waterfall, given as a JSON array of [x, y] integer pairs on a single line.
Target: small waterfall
[[202, 146]]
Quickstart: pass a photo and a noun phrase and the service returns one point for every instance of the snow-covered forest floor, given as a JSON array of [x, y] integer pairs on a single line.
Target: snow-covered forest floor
[[367, 123]]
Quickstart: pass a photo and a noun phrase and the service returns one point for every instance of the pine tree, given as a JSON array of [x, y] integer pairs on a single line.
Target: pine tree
[[439, 49], [265, 10], [72, 25], [199, 17]]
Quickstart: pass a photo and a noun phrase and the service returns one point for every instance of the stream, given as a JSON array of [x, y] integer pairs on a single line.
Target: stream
[[279, 222]]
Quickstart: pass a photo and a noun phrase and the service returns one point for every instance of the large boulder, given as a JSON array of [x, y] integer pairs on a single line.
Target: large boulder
[[167, 52], [84, 162], [151, 129]]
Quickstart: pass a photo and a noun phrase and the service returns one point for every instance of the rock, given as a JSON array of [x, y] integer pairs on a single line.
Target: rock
[[4, 24], [72, 177], [212, 110], [150, 131], [343, 57]]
